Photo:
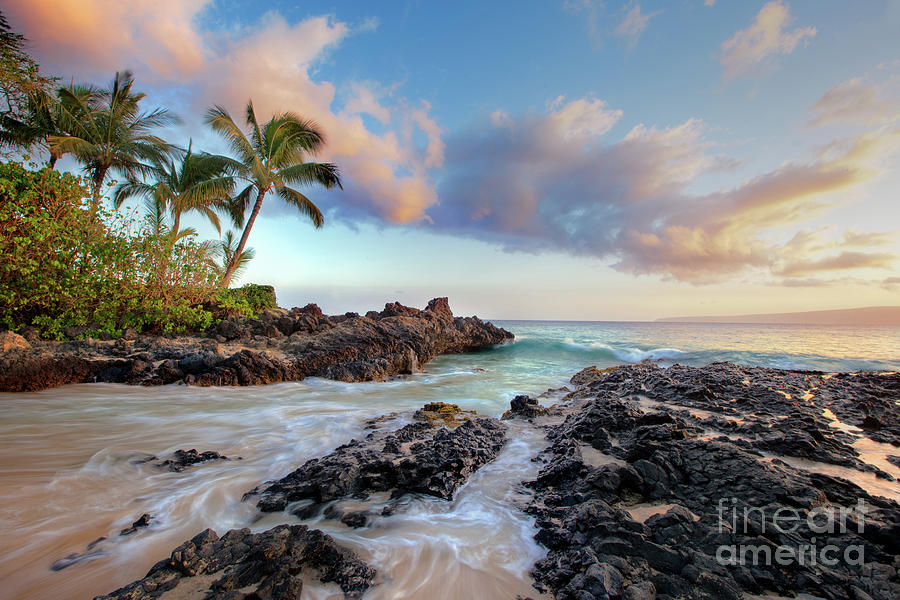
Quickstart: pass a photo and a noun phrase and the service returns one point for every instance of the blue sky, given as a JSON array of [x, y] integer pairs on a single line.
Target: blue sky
[[566, 160]]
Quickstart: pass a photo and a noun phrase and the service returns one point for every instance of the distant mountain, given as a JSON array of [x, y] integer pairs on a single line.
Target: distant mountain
[[872, 315]]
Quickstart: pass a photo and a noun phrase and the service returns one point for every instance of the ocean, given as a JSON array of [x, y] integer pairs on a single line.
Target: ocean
[[68, 473]]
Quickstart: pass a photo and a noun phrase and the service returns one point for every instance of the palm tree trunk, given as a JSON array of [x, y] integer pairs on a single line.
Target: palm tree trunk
[[173, 234], [226, 281], [52, 162], [99, 176]]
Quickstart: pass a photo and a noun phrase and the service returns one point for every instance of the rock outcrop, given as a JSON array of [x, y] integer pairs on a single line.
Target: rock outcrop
[[246, 566], [281, 345], [182, 459], [433, 456], [667, 483], [524, 407]]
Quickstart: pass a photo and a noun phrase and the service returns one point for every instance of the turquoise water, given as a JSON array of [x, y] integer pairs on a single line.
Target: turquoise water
[[547, 353]]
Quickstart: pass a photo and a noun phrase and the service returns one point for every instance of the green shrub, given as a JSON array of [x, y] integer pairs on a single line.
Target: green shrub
[[61, 268], [249, 300]]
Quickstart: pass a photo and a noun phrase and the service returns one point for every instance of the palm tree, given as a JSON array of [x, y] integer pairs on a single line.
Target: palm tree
[[224, 252], [271, 158], [108, 131], [41, 118], [199, 183]]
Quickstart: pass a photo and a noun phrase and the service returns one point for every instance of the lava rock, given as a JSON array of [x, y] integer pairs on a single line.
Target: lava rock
[[244, 565], [658, 455], [524, 407], [143, 521], [424, 457], [182, 459], [277, 346]]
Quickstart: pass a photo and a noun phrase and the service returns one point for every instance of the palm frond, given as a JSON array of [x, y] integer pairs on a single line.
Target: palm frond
[[255, 133], [222, 123], [301, 203], [311, 173], [238, 205], [132, 189]]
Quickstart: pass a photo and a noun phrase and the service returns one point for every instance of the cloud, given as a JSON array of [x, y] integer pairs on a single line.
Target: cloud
[[709, 2], [856, 100], [839, 262], [585, 117], [630, 27], [522, 182], [99, 34], [386, 173], [633, 24], [859, 238], [365, 101], [763, 40], [805, 283], [592, 10]]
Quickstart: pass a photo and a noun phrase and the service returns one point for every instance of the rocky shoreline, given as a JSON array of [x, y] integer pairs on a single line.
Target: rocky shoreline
[[671, 483], [280, 345], [655, 484]]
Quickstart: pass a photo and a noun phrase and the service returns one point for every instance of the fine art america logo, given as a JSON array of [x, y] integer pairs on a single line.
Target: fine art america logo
[[824, 522]]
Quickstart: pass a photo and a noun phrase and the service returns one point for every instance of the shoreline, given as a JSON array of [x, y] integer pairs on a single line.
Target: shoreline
[[279, 345], [628, 498]]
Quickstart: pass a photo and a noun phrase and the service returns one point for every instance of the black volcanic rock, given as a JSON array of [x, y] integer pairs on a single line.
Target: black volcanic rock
[[692, 445], [182, 459], [524, 407], [246, 566], [433, 456], [143, 521], [279, 345]]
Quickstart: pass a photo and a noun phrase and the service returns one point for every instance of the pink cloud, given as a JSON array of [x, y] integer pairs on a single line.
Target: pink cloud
[[87, 38], [519, 181]]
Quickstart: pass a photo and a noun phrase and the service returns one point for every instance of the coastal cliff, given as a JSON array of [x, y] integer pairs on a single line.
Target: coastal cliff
[[280, 345]]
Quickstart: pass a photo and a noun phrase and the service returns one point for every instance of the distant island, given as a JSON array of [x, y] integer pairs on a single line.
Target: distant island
[[871, 315]]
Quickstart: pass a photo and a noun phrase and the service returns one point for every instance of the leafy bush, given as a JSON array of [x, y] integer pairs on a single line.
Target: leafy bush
[[62, 268], [249, 300]]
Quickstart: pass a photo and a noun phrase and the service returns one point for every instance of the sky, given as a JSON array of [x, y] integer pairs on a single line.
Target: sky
[[578, 160]]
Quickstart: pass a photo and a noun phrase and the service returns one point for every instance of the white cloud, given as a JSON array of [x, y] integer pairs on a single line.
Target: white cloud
[[633, 24], [763, 40], [856, 100], [364, 100], [591, 9], [584, 117]]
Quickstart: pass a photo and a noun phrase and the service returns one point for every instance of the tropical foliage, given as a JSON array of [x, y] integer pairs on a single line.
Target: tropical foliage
[[65, 270], [69, 265], [247, 300], [198, 183], [223, 252], [38, 119], [20, 75]]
